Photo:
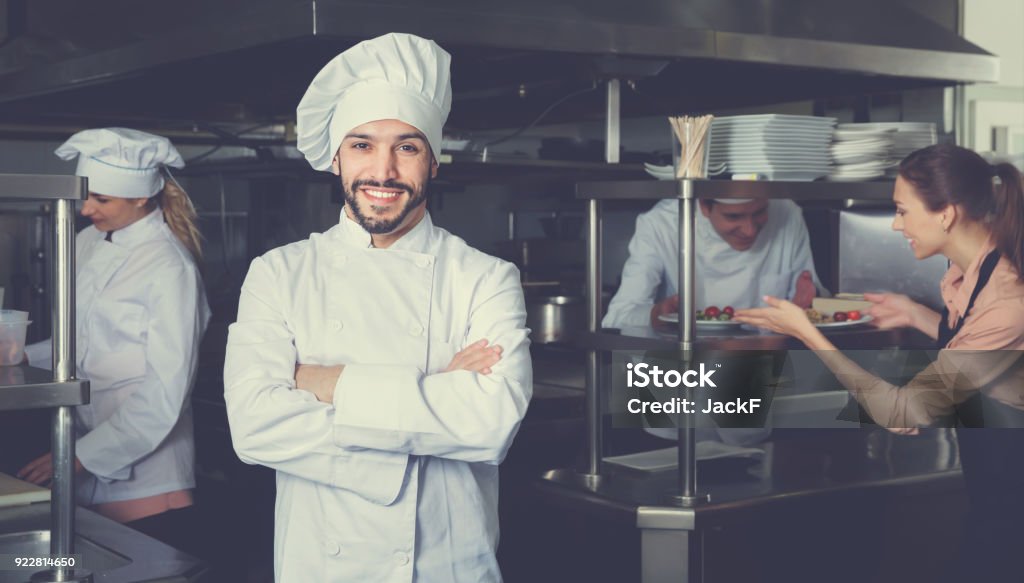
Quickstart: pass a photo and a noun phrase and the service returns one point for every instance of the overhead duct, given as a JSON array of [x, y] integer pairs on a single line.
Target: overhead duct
[[242, 61]]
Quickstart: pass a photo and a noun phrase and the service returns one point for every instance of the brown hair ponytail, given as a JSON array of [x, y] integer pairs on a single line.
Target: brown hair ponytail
[[1008, 226], [180, 216], [991, 195]]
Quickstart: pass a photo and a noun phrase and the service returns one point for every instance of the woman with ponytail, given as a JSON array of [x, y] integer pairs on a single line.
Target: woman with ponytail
[[141, 312], [951, 202]]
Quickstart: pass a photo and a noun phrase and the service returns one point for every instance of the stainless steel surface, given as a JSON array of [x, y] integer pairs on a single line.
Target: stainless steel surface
[[25, 387], [686, 494], [42, 186], [701, 189], [65, 189], [555, 318], [804, 471], [63, 51], [846, 460], [665, 557], [35, 543], [63, 499], [873, 257], [612, 112], [661, 518], [112, 551], [594, 446]]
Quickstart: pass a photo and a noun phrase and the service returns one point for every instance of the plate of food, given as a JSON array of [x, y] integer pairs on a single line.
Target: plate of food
[[839, 319], [709, 317]]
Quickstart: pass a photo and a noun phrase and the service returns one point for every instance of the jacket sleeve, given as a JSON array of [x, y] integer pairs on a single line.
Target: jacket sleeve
[[457, 415], [177, 320], [641, 276], [274, 424]]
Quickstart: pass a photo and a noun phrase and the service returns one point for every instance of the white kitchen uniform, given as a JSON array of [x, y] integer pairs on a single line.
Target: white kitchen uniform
[[724, 276], [397, 480], [140, 314]]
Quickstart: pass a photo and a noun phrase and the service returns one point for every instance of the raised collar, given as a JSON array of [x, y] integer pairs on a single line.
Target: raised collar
[[141, 230], [417, 239], [958, 285]]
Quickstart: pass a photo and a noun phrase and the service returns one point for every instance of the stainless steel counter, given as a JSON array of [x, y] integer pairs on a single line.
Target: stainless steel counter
[[113, 552], [804, 472]]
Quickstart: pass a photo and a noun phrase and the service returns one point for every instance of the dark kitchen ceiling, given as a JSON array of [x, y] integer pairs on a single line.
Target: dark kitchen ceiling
[[102, 62]]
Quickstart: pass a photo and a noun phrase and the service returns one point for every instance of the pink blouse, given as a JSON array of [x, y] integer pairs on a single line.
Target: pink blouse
[[985, 355]]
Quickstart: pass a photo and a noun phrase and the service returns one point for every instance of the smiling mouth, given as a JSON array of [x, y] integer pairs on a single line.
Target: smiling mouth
[[381, 196]]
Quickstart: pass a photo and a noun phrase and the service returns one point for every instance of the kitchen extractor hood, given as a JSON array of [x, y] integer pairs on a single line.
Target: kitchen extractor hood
[[232, 60]]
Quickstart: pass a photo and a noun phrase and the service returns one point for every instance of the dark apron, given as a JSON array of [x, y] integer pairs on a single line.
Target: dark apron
[[992, 458]]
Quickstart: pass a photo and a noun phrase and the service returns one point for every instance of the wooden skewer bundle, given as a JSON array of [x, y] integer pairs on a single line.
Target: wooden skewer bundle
[[692, 133]]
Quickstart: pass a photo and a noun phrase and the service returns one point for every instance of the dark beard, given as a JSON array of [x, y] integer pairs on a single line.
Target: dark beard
[[376, 226]]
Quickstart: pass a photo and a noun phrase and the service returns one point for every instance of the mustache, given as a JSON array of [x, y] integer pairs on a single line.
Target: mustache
[[392, 183]]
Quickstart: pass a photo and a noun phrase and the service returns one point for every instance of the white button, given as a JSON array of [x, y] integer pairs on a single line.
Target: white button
[[332, 548], [415, 330], [423, 261], [335, 325], [401, 558]]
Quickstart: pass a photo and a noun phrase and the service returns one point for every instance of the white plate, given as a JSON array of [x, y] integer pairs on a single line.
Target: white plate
[[902, 126], [856, 133], [848, 324], [775, 118], [673, 317]]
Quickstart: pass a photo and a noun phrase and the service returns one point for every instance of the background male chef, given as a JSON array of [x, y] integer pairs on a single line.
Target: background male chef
[[745, 249], [382, 367]]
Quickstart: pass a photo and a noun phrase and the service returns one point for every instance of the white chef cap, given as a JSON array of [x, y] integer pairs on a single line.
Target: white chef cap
[[395, 76], [121, 162]]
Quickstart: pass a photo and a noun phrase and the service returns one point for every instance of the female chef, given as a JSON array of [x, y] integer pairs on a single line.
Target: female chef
[[951, 202], [141, 312]]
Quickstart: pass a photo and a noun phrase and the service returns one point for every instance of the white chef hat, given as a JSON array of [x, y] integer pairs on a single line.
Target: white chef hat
[[121, 162], [395, 76]]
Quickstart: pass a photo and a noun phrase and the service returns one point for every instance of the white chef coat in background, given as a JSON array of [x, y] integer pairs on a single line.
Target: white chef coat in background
[[397, 480], [724, 276], [140, 314]]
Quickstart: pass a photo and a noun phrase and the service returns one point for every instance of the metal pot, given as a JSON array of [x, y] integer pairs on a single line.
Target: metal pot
[[555, 318]]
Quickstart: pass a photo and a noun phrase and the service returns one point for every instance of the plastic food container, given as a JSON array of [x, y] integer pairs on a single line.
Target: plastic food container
[[13, 326]]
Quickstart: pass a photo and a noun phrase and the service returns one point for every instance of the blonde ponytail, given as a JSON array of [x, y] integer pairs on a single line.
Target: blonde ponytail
[[180, 216]]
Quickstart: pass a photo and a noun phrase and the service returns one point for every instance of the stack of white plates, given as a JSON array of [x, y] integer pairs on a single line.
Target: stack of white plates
[[905, 136], [667, 172], [861, 153], [776, 146]]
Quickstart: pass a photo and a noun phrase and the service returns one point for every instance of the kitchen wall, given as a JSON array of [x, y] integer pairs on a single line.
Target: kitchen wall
[[996, 25]]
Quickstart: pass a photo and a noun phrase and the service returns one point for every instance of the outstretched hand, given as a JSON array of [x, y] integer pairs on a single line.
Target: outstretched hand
[[781, 317], [890, 310]]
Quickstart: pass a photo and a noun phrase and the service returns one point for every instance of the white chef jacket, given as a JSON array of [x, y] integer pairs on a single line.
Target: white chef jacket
[[140, 314], [397, 480], [724, 276]]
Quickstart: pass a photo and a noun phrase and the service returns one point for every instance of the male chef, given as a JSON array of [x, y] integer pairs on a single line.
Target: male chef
[[382, 367], [745, 249]]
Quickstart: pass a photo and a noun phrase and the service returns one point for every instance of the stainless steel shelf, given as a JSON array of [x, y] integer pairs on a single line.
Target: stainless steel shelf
[[691, 188], [25, 387], [42, 187]]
